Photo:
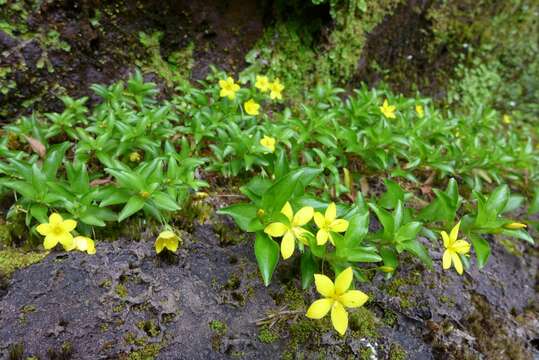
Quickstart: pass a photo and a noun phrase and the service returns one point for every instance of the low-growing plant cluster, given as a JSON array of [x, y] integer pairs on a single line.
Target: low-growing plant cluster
[[302, 170]]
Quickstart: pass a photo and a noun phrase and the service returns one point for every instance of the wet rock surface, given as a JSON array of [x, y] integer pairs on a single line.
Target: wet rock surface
[[208, 302]]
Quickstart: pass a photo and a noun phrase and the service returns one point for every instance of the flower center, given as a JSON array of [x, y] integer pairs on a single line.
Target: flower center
[[57, 229]]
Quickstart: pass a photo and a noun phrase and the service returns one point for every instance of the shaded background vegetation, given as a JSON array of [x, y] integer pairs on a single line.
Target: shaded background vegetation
[[464, 52]]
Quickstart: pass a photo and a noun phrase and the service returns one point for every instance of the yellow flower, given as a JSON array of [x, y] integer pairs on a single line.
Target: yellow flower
[[388, 110], [507, 119], [251, 107], [328, 223], [337, 297], [228, 88], [268, 143], [167, 239], [83, 243], [57, 231], [262, 83], [419, 110], [454, 248], [276, 89], [291, 231], [515, 226], [134, 157]]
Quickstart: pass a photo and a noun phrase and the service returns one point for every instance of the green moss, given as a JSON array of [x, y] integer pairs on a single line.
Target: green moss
[[267, 335], [218, 327], [390, 318], [145, 350], [105, 283], [403, 288], [396, 352], [293, 298], [447, 300], [150, 327], [363, 323], [121, 291], [290, 51], [5, 236], [12, 259], [365, 353], [302, 331]]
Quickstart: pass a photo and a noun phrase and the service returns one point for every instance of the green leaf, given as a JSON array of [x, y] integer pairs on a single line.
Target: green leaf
[[361, 255], [416, 248], [498, 200], [481, 247], [389, 257], [308, 268], [519, 234], [281, 192], [392, 196], [245, 216], [385, 218], [113, 196], [267, 255], [39, 212], [534, 204], [408, 232], [134, 204], [164, 201], [358, 227]]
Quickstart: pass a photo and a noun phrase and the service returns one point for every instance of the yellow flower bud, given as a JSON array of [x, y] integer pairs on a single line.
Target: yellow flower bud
[[515, 226]]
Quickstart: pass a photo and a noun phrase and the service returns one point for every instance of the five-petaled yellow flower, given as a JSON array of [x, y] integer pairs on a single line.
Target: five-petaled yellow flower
[[388, 110], [336, 298], [276, 89], [228, 88], [262, 83], [291, 231], [515, 226], [507, 119], [83, 243], [328, 223], [57, 231], [454, 248], [167, 239], [419, 110], [251, 107], [268, 143]]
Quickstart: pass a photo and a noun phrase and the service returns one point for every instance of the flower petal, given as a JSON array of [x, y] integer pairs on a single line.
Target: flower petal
[[445, 237], [55, 218], [159, 245], [339, 225], [454, 233], [457, 262], [353, 298], [276, 229], [339, 318], [287, 245], [66, 239], [319, 220], [344, 280], [322, 237], [167, 234], [287, 211], [43, 229], [331, 212], [69, 225], [461, 247], [446, 260], [172, 243], [319, 308], [50, 242], [324, 285], [303, 216]]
